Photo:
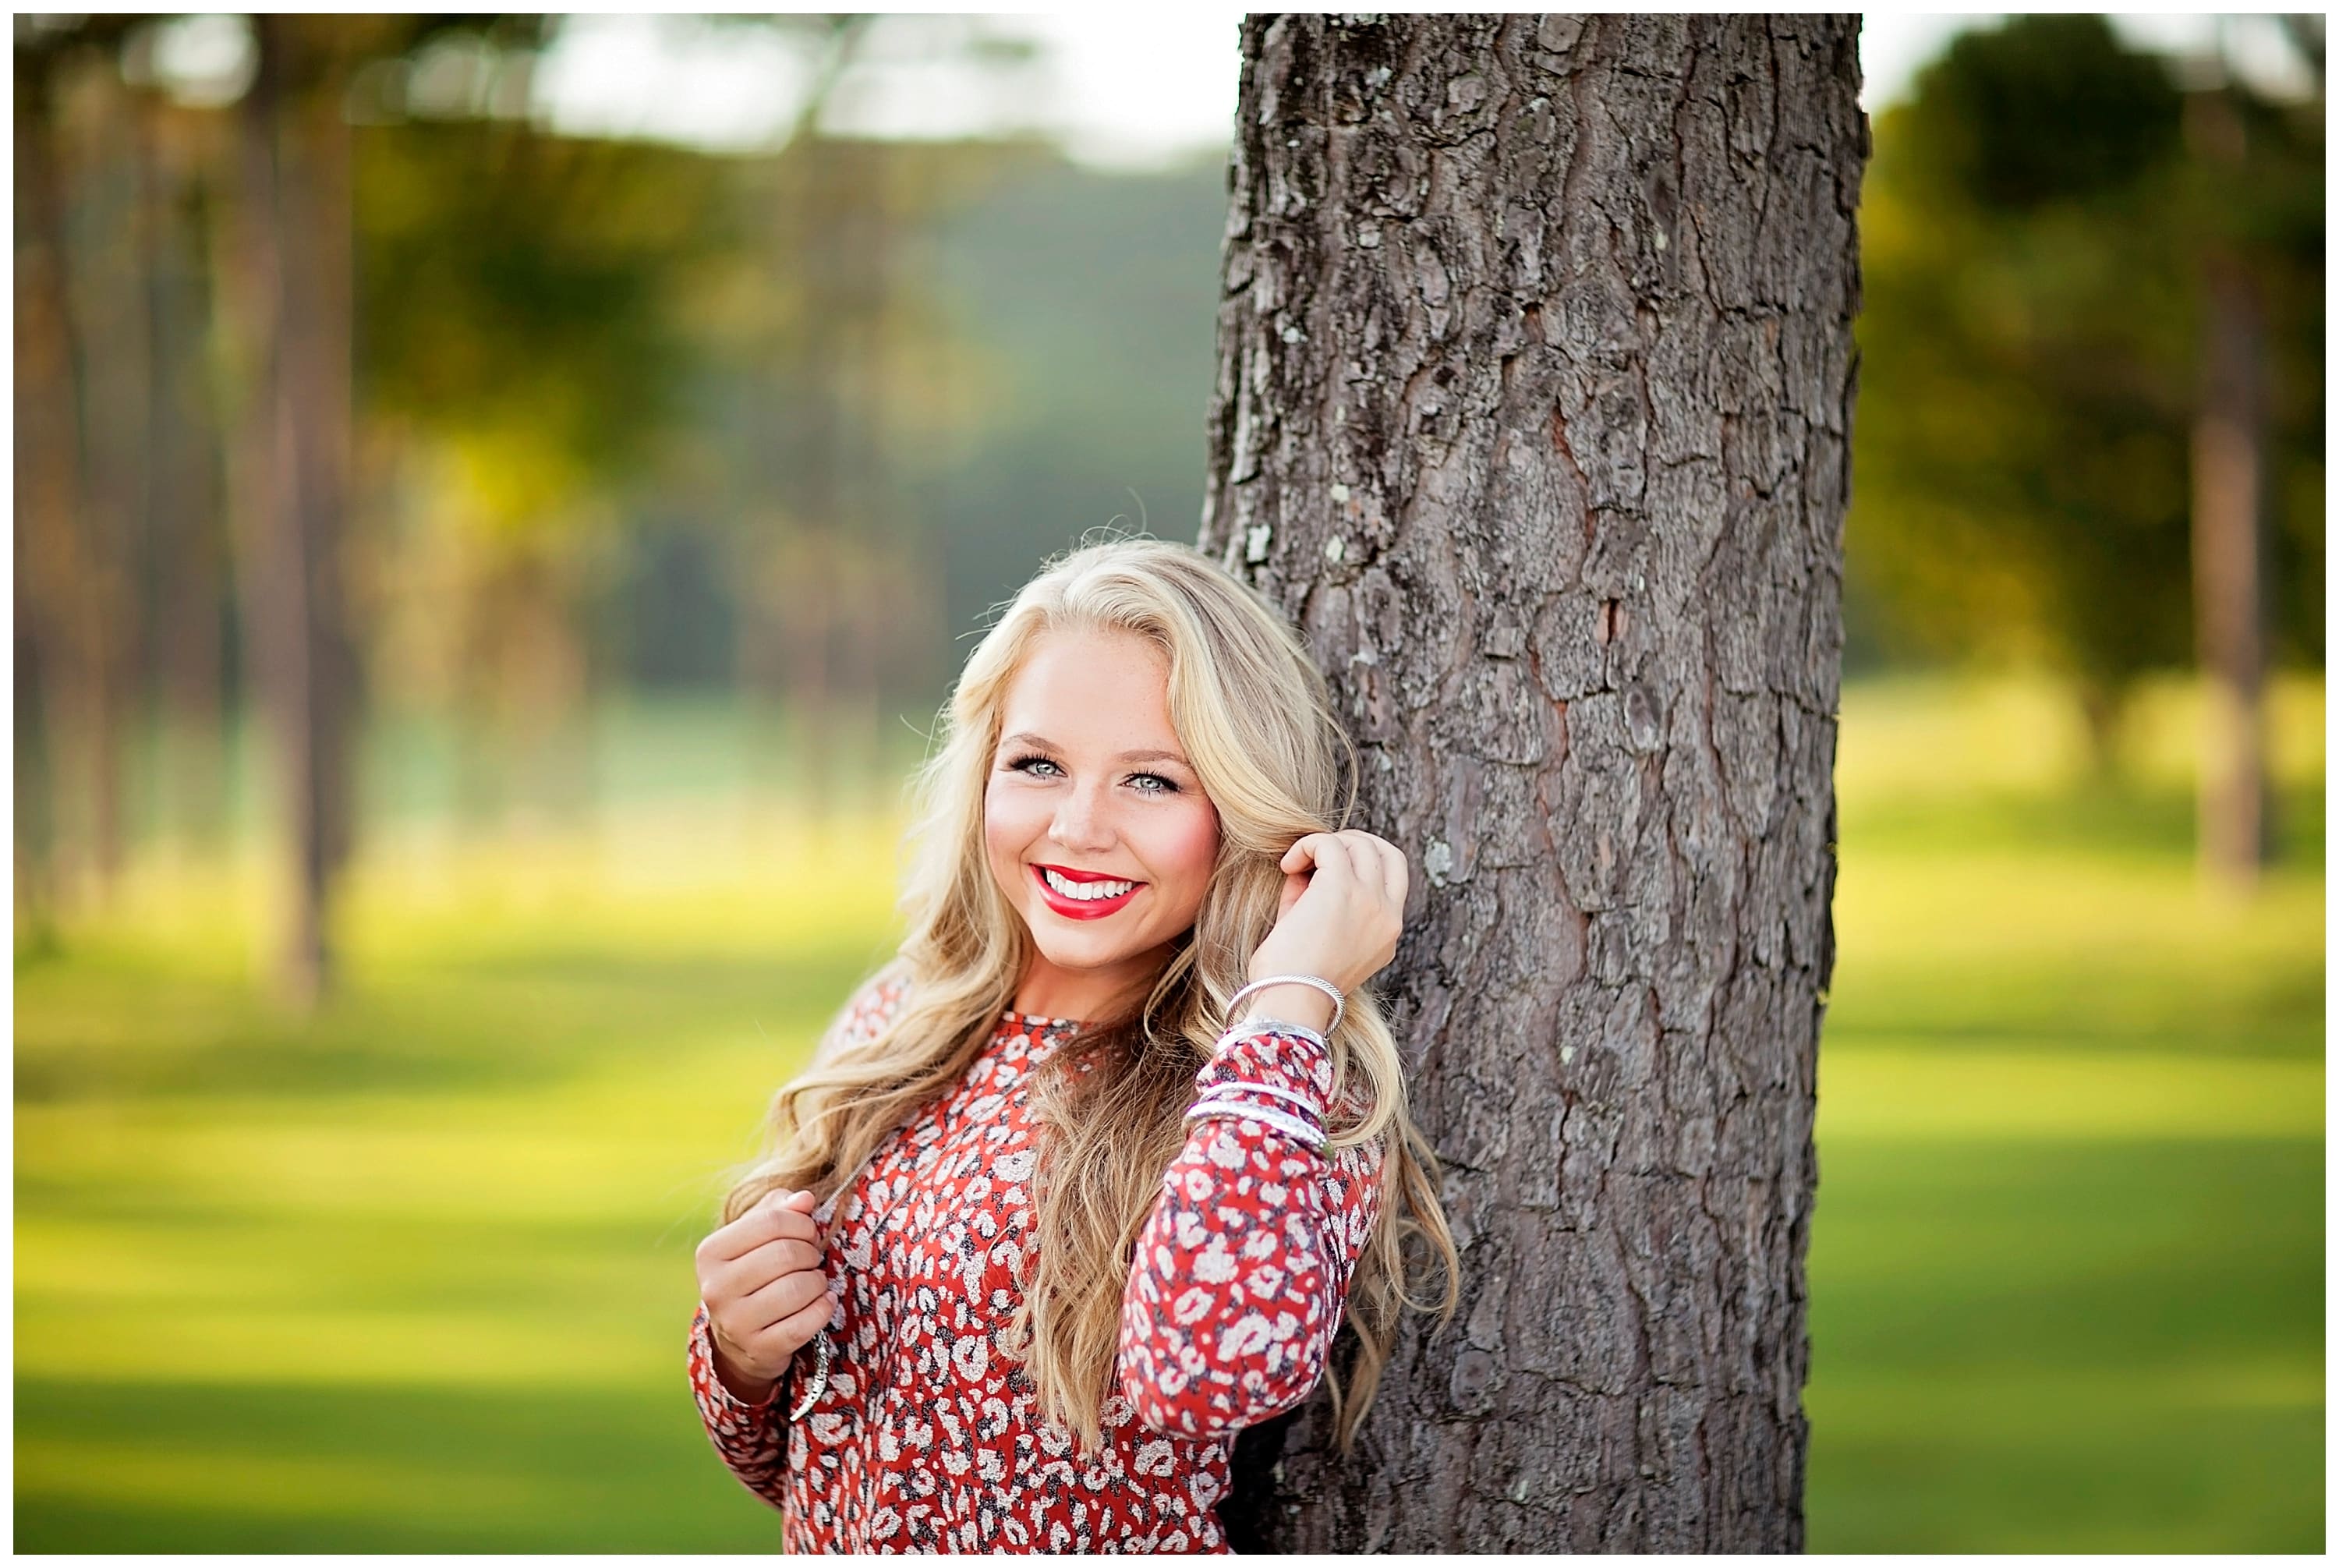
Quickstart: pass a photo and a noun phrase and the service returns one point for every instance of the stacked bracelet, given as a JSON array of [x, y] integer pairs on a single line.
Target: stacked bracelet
[[1339, 1002], [1252, 1027], [1282, 1121], [1224, 1099], [1226, 1088]]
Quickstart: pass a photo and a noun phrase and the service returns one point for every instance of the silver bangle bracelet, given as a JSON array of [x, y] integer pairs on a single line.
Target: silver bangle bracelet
[[1230, 1086], [1339, 1002], [1291, 1126], [1251, 1028], [819, 1377]]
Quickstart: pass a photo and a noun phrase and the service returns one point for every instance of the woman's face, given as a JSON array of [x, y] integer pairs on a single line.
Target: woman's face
[[1091, 792]]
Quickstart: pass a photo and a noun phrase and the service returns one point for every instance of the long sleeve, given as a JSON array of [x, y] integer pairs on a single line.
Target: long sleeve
[[752, 1439], [1242, 1270]]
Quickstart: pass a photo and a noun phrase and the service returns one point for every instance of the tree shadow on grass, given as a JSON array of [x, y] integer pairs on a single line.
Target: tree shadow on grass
[[2272, 1011], [186, 1467], [514, 1020]]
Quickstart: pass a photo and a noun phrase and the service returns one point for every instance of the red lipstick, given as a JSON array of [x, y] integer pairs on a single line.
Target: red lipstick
[[1080, 908]]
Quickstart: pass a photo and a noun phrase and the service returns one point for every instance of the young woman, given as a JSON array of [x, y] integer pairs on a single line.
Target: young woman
[[1085, 1181]]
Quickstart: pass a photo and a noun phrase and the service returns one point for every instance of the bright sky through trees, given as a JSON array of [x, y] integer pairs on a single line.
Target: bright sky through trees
[[1120, 86]]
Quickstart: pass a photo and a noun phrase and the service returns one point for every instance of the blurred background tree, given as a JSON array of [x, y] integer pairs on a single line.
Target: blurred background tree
[[436, 420], [2041, 306], [628, 419]]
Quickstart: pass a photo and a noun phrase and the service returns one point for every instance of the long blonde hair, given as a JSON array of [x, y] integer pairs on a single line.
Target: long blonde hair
[[1255, 716]]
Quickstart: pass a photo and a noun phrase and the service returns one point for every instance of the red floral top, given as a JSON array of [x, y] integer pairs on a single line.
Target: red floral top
[[927, 1436]]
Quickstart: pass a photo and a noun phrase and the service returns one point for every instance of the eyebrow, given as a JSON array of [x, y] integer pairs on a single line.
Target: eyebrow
[[1025, 737]]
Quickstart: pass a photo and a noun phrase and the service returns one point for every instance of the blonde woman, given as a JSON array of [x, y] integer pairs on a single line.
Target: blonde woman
[[1085, 1181]]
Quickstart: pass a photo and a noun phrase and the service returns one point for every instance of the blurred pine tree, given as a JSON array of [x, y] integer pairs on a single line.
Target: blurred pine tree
[[2031, 336]]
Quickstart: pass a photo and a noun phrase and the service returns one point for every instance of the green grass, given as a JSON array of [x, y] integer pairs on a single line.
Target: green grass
[[2067, 1256], [2048, 1346], [413, 1275]]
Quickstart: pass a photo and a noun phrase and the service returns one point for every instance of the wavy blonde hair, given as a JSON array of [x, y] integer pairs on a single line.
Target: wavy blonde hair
[[1255, 716]]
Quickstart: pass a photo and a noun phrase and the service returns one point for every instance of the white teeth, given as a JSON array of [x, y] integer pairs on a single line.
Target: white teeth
[[1085, 890]]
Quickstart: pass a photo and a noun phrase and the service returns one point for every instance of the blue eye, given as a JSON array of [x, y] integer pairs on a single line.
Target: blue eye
[[1032, 760]]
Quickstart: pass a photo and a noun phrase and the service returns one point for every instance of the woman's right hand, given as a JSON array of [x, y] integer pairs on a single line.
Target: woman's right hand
[[765, 1295]]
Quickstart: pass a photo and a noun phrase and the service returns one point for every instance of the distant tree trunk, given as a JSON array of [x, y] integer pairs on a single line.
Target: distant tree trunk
[[789, 620], [1534, 388], [2229, 538], [295, 304], [2102, 704], [71, 596], [114, 381], [47, 494], [183, 447]]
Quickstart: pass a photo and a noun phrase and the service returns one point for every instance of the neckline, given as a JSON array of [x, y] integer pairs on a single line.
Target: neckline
[[1010, 1016]]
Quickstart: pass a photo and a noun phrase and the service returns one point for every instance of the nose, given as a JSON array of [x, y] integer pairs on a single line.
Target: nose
[[1083, 822]]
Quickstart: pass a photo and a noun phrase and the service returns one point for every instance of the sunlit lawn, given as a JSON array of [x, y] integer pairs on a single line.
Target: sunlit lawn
[[2066, 1257], [415, 1276]]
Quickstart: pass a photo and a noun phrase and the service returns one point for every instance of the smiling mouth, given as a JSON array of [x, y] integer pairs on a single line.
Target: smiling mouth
[[1083, 900]]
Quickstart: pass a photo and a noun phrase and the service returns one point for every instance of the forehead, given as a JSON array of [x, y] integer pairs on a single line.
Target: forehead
[[1109, 690]]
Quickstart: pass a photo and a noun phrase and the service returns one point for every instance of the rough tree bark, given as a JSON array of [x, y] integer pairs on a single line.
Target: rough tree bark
[[1535, 380]]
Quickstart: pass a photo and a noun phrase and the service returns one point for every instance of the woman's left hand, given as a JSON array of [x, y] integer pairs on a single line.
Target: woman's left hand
[[1342, 912]]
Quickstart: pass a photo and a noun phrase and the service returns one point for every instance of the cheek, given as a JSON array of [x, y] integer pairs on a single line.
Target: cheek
[[1004, 828], [1188, 848]]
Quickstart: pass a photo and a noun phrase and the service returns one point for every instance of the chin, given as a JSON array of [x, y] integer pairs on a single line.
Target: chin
[[1078, 954]]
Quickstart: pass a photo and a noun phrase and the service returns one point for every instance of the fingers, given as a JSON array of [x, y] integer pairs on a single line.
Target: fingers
[[761, 1280], [1370, 853], [803, 1325], [727, 1287], [789, 1296], [1396, 874], [764, 1350], [1380, 871], [781, 1214], [772, 1259], [1338, 857], [1371, 860], [1330, 852]]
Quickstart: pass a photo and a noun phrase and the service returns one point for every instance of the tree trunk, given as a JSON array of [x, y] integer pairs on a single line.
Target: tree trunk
[[113, 377], [1533, 402], [294, 315], [2229, 538], [182, 447], [70, 597], [49, 550]]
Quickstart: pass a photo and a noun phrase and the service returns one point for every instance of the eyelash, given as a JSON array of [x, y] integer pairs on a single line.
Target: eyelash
[[1023, 764]]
